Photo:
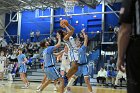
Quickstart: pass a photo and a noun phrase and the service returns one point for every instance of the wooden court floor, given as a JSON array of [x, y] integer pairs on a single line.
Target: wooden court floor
[[15, 87]]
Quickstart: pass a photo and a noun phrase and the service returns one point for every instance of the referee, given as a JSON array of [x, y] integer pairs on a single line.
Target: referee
[[129, 43]]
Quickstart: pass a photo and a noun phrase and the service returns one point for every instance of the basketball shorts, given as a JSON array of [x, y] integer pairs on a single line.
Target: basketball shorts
[[23, 68], [52, 73], [83, 69], [65, 67]]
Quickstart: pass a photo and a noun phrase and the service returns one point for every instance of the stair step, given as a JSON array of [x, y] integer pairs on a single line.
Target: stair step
[[35, 77], [37, 73]]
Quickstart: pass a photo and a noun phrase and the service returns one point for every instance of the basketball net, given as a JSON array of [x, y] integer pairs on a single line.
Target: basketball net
[[69, 6]]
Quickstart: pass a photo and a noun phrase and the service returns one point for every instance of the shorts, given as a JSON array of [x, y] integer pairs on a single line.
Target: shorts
[[82, 70], [73, 56], [52, 73], [23, 68], [65, 67]]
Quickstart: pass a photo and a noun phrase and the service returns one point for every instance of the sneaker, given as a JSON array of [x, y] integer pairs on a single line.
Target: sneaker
[[25, 87], [38, 91], [28, 84], [115, 86], [68, 90], [39, 87], [55, 89]]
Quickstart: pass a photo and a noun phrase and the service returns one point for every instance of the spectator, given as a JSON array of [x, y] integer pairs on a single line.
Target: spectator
[[2, 64], [32, 36], [37, 36], [101, 76], [111, 74], [120, 76]]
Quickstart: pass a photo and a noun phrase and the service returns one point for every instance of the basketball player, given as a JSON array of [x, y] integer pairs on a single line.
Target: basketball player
[[23, 68], [72, 48], [44, 80], [49, 66], [65, 65], [45, 77], [2, 64], [83, 67]]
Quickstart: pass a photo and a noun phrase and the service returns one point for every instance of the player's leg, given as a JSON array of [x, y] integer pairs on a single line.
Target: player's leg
[[45, 84], [21, 77], [25, 75], [43, 81], [72, 79], [62, 69], [25, 78], [61, 80], [72, 70], [86, 77], [87, 81]]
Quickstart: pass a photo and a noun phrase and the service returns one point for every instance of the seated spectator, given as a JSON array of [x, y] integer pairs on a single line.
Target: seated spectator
[[111, 75], [101, 77], [120, 76], [13, 57]]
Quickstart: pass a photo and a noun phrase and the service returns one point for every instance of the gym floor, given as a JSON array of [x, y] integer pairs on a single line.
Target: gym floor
[[15, 87]]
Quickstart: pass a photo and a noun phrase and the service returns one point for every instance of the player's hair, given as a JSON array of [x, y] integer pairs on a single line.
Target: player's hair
[[61, 32], [51, 42], [42, 43]]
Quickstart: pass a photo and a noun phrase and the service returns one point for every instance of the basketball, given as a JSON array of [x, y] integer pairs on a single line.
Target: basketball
[[62, 22]]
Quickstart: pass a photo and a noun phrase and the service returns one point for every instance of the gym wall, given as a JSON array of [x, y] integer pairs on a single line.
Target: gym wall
[[32, 23]]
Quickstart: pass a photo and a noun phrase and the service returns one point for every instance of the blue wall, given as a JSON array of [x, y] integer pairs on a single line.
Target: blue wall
[[12, 28], [89, 23], [32, 23], [112, 19]]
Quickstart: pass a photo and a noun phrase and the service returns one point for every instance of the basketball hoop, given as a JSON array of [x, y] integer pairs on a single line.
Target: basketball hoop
[[69, 5]]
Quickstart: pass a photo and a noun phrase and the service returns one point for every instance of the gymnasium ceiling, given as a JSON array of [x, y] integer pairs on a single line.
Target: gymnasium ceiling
[[20, 5]]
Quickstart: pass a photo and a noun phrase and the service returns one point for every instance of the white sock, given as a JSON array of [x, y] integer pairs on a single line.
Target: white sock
[[39, 86], [92, 92], [70, 83]]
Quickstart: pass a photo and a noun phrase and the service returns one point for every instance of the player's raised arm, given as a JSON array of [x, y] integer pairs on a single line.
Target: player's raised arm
[[59, 41], [70, 31], [85, 37]]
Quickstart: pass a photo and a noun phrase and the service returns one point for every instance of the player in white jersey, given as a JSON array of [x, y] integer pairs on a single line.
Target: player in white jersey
[[65, 65], [83, 64], [72, 48], [2, 64]]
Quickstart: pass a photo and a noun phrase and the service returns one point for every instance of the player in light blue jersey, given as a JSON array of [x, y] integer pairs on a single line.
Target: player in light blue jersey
[[49, 65], [83, 64], [22, 68]]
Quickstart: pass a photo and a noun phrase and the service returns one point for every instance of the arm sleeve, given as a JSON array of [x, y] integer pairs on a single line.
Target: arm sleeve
[[127, 11], [50, 49], [84, 48]]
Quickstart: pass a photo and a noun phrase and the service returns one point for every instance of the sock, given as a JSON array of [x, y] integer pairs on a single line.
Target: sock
[[70, 84], [39, 86]]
